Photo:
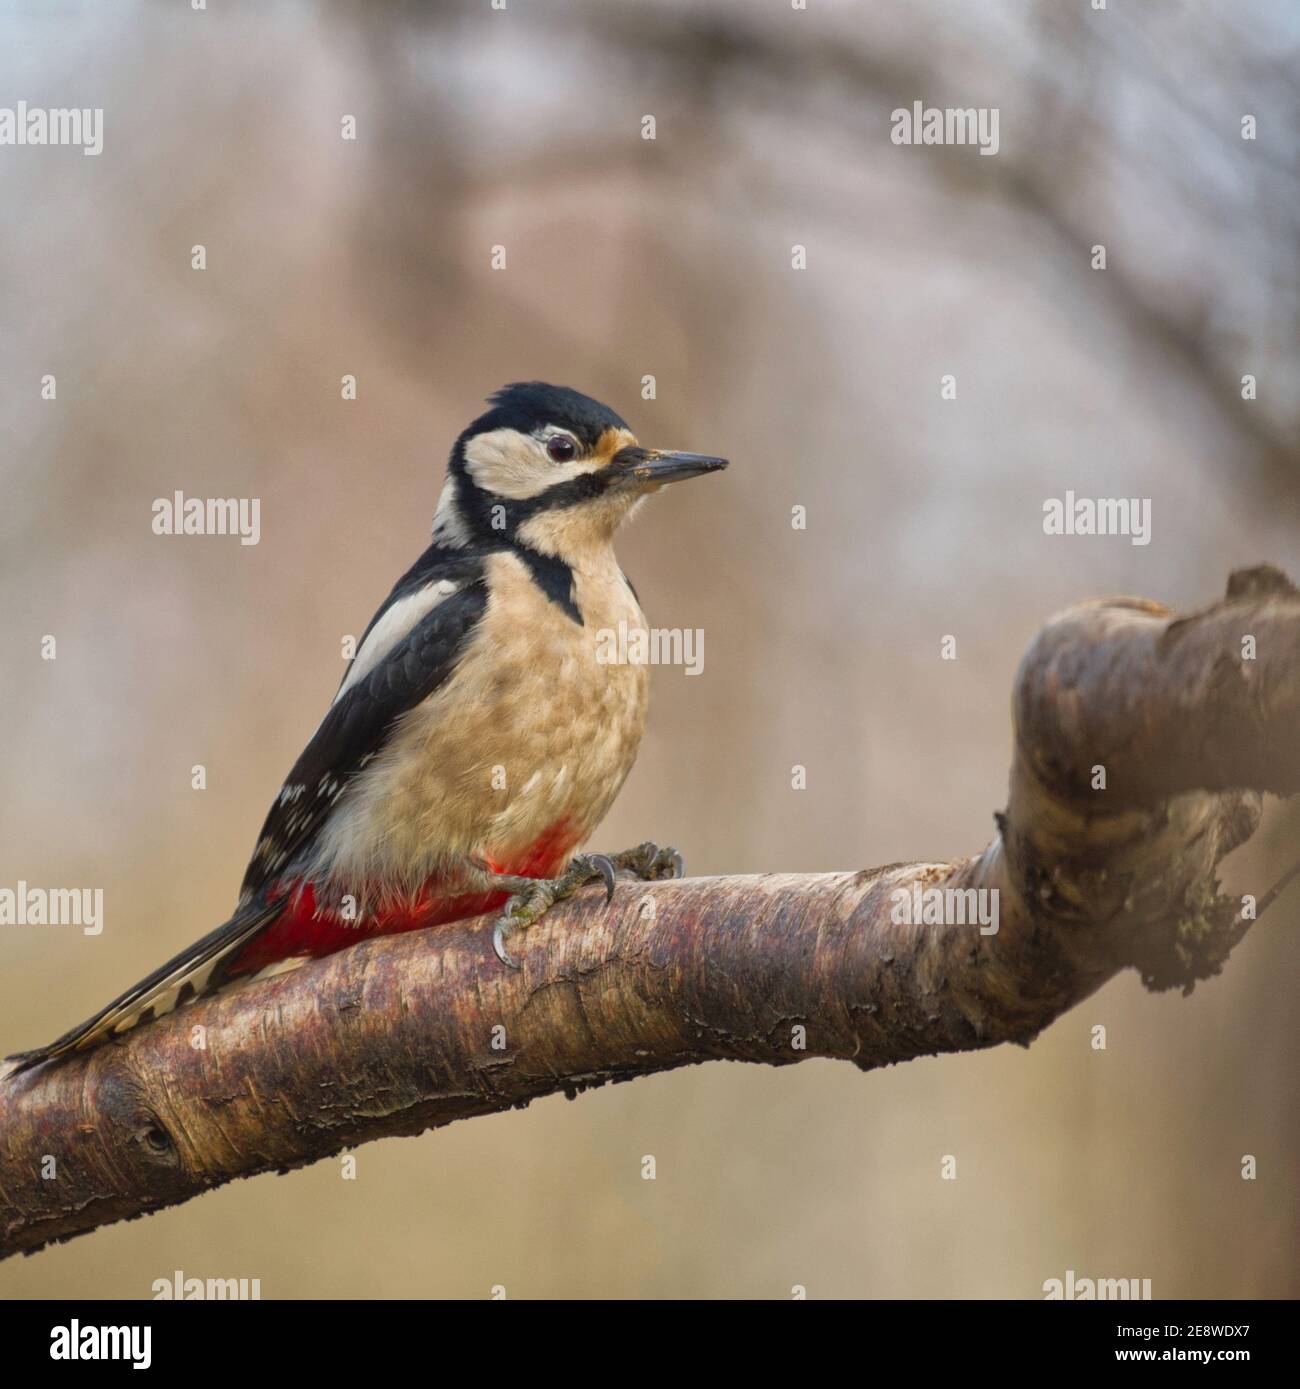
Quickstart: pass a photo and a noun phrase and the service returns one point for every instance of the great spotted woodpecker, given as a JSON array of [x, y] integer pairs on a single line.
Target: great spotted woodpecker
[[476, 739]]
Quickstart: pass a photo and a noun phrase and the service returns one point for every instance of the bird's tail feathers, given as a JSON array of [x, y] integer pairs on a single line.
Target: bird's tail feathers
[[197, 970]]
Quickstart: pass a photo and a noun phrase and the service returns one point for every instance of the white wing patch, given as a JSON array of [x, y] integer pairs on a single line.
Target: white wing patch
[[393, 626]]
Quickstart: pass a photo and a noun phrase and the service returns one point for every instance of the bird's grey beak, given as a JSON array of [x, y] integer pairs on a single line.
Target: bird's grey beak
[[654, 466]]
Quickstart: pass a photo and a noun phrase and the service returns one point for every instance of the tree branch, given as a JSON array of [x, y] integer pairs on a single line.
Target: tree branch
[[403, 1034]]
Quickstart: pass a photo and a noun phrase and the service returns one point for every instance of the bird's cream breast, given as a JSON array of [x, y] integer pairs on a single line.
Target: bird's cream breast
[[532, 735]]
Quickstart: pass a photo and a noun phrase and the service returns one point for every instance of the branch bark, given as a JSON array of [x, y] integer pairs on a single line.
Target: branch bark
[[400, 1035]]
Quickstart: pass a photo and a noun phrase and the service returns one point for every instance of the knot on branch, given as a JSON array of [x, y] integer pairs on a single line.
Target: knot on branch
[[1261, 581]]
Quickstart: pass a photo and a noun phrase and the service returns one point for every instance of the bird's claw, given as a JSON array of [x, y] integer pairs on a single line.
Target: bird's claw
[[675, 862], [525, 909], [647, 862], [499, 940], [650, 863], [605, 867]]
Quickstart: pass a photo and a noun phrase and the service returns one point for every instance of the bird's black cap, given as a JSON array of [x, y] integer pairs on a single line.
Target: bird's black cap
[[528, 405]]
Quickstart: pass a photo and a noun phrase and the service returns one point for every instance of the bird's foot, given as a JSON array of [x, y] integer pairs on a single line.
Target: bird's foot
[[533, 898], [531, 903], [649, 862]]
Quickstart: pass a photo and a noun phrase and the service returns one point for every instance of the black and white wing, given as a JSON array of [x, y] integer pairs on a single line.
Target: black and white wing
[[409, 649]]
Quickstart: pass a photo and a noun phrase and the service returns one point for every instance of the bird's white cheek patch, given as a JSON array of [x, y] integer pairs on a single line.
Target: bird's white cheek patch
[[516, 466]]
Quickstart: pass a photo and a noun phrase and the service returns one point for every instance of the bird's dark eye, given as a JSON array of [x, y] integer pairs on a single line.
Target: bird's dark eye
[[560, 449]]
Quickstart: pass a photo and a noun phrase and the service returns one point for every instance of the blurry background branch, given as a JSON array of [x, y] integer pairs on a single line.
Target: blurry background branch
[[1104, 110], [1143, 744]]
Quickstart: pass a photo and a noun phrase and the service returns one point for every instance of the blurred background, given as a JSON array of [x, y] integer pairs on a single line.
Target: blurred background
[[668, 258]]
